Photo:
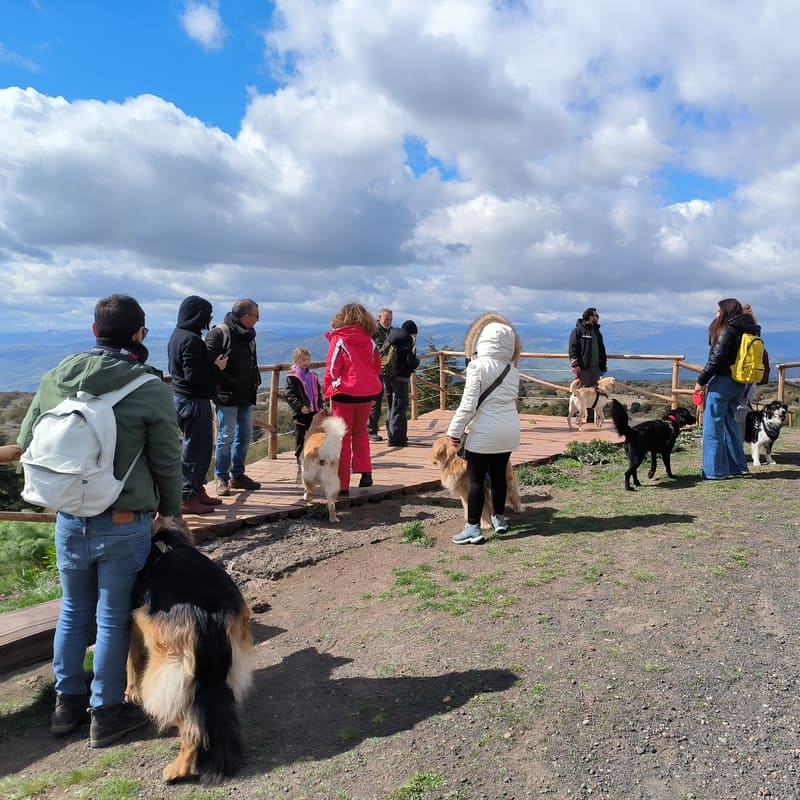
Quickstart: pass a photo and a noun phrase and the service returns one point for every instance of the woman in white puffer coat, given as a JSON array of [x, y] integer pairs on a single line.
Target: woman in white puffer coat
[[492, 425]]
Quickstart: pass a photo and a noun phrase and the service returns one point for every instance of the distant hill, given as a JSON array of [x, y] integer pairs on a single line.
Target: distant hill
[[24, 357]]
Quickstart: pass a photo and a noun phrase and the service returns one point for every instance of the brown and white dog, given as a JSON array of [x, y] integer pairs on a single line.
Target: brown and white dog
[[191, 656], [583, 398], [322, 452], [454, 478], [762, 429]]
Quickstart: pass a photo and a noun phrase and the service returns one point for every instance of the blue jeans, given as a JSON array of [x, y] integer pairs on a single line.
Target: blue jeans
[[197, 427], [98, 561], [723, 451], [234, 431]]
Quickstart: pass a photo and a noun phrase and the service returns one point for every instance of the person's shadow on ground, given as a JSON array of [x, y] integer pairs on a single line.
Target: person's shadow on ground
[[298, 711]]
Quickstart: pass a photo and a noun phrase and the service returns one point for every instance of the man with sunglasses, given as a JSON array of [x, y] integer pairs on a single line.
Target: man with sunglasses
[[99, 557], [235, 394]]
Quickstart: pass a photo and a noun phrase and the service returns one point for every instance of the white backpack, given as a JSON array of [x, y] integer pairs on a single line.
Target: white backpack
[[69, 464]]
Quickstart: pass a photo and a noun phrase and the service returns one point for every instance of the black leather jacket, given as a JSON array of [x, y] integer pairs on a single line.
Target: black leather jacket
[[723, 351]]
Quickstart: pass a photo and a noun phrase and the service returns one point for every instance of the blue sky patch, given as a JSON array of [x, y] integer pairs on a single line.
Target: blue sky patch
[[420, 160], [678, 186]]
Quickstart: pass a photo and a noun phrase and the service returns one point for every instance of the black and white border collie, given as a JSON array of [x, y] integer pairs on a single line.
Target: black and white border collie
[[762, 428]]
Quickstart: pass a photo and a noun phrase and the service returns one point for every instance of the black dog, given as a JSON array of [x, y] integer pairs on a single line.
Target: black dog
[[762, 428], [654, 436]]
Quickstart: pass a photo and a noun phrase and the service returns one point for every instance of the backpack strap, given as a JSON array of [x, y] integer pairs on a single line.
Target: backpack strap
[[112, 398]]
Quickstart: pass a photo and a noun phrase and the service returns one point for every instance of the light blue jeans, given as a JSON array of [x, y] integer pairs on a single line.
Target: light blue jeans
[[723, 451], [98, 561], [234, 431]]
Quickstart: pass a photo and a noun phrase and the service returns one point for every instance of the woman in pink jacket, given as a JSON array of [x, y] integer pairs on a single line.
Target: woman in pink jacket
[[352, 381]]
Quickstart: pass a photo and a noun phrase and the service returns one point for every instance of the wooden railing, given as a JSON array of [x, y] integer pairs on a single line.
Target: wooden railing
[[276, 372], [676, 362]]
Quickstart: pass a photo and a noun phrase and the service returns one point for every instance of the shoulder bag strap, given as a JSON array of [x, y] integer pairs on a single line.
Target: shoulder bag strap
[[497, 381]]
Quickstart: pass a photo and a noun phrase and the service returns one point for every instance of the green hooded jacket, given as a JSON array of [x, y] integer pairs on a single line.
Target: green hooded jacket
[[145, 418]]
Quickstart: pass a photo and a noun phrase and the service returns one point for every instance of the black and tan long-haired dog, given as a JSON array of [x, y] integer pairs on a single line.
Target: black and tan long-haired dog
[[656, 436], [191, 656]]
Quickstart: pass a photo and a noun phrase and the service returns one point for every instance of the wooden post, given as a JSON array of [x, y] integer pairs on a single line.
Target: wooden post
[[412, 389], [274, 383], [442, 384], [675, 382]]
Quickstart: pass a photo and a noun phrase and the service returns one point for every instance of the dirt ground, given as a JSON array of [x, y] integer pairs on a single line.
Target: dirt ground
[[612, 645]]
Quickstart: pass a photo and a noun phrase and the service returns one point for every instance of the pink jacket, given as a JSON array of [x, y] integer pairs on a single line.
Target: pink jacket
[[352, 366]]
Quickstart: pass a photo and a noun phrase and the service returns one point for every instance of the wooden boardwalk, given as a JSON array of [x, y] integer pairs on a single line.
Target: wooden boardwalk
[[26, 636], [395, 469]]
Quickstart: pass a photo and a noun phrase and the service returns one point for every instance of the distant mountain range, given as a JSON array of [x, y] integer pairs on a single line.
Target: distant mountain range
[[24, 357]]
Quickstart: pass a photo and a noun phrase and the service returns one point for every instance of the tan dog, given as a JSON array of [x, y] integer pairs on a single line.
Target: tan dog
[[320, 460], [586, 397], [454, 478]]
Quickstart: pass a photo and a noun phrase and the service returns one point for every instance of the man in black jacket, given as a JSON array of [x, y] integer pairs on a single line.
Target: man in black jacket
[[587, 353], [236, 389], [193, 370]]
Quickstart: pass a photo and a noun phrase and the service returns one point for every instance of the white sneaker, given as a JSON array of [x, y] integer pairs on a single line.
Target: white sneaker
[[499, 523], [470, 535]]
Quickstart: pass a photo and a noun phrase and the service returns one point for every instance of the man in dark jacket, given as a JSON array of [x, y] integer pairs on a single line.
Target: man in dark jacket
[[587, 353], [99, 557], [404, 341], [193, 370], [236, 389], [381, 338]]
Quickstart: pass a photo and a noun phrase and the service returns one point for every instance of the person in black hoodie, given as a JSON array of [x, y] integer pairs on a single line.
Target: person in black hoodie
[[723, 451], [403, 339], [193, 369]]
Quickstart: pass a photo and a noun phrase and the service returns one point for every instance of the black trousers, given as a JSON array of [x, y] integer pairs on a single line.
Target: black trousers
[[481, 466]]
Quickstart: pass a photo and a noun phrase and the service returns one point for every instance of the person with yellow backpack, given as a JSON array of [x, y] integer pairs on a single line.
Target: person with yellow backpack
[[723, 450]]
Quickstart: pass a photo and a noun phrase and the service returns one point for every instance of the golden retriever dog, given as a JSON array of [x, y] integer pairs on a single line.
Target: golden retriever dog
[[191, 656], [320, 459], [582, 398], [454, 478]]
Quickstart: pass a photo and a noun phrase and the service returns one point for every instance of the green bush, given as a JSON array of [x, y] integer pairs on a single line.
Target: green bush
[[28, 572], [595, 451]]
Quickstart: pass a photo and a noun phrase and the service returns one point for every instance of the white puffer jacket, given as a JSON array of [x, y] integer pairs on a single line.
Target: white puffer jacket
[[494, 427]]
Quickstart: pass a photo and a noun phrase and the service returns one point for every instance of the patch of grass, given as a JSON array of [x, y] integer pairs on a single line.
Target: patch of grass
[[14, 788], [115, 788], [347, 733], [316, 511], [414, 533], [643, 576], [543, 475], [420, 785], [419, 582], [656, 668], [738, 557], [538, 693]]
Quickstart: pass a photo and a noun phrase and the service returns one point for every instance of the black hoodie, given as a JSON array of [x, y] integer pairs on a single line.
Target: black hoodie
[[190, 363]]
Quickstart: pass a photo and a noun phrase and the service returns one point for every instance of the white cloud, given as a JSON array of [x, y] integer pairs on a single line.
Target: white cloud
[[203, 24], [15, 59], [558, 119]]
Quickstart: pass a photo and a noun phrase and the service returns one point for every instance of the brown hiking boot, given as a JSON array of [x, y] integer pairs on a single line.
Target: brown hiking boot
[[194, 505], [244, 482], [206, 499], [223, 490]]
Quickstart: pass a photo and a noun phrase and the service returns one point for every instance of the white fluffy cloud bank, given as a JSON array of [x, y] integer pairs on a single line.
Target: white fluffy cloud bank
[[570, 155]]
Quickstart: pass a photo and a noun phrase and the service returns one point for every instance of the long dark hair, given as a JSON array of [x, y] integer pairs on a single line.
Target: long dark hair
[[728, 308]]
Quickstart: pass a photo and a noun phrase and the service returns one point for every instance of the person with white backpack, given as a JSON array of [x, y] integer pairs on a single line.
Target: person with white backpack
[[101, 447]]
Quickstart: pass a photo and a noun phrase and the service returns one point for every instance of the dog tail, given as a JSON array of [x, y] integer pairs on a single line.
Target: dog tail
[[221, 749], [335, 428], [620, 417], [213, 707]]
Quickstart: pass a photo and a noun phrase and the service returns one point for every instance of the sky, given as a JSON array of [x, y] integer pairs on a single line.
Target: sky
[[440, 157]]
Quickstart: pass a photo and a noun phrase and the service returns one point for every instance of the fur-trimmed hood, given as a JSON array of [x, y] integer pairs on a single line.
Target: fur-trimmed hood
[[493, 335]]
